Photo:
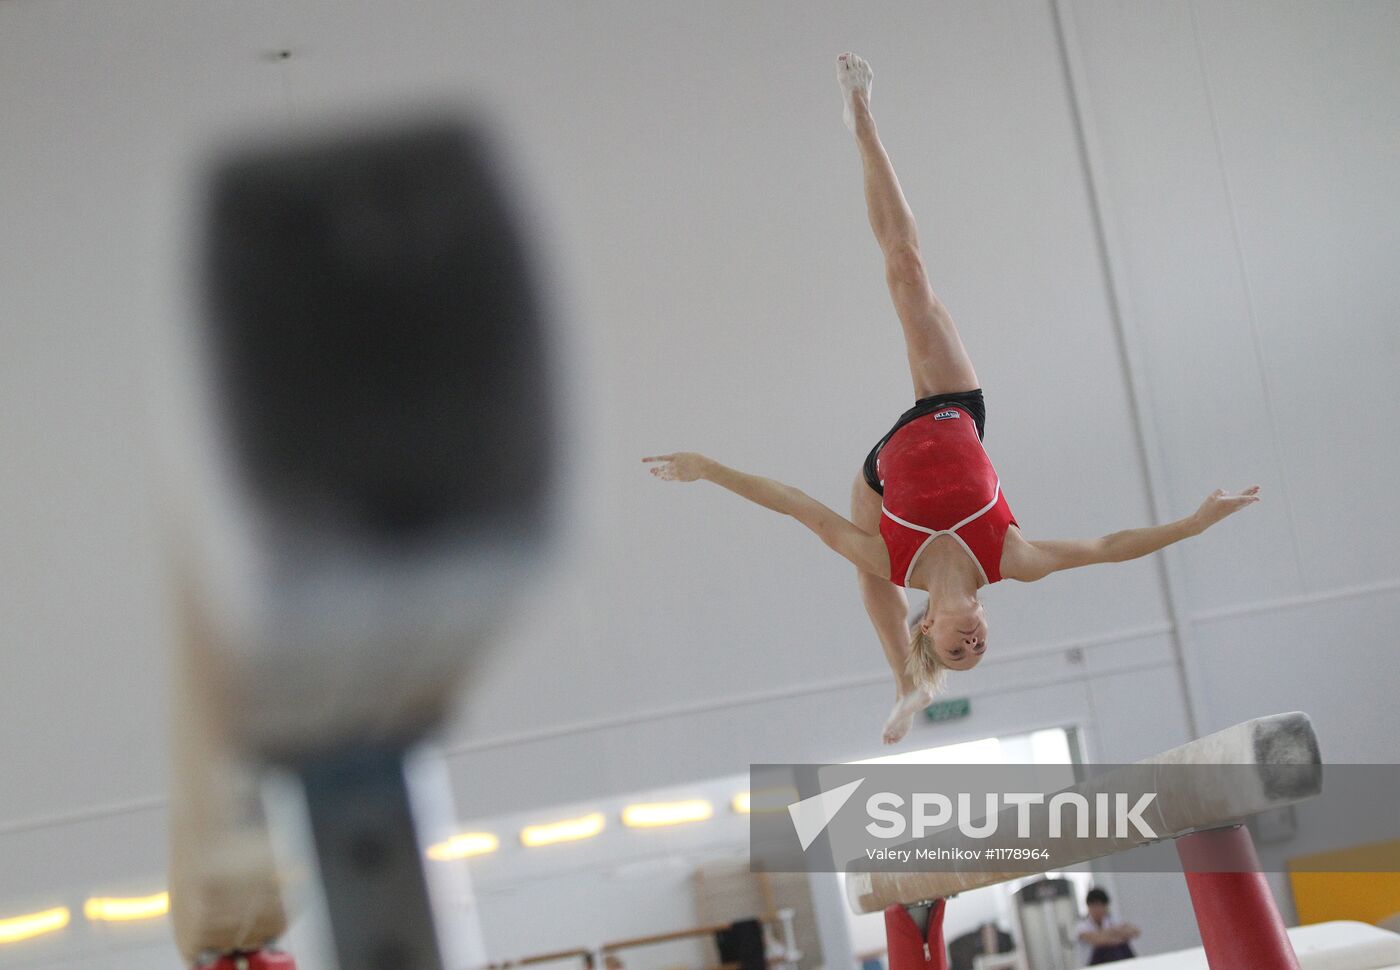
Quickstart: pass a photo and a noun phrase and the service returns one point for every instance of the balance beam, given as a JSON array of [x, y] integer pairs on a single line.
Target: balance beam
[[1265, 743], [360, 476], [1239, 922]]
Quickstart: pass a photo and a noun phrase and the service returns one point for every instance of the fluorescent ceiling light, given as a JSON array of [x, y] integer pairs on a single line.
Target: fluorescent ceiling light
[[569, 830], [118, 910], [463, 846], [16, 928], [666, 813]]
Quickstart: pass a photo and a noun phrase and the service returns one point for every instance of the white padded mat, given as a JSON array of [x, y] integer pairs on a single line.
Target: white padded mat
[[1342, 945]]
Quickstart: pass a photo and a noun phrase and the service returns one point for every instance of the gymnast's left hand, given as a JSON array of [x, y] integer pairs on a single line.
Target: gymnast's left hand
[[683, 466], [1220, 503]]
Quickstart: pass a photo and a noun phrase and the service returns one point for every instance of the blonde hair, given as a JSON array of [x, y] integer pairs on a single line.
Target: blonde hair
[[923, 666]]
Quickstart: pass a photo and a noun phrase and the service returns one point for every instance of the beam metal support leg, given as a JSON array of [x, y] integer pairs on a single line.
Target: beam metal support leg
[[361, 818], [914, 936], [1235, 910]]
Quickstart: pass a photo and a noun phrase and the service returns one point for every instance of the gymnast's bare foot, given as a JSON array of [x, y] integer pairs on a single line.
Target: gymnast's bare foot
[[856, 78], [902, 717]]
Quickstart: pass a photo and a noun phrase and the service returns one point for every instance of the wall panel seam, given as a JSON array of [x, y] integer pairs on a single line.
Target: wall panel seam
[[1251, 314], [1116, 292], [1296, 602], [712, 705]]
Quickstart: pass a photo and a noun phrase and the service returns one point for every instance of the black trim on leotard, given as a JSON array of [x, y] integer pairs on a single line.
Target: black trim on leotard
[[973, 401]]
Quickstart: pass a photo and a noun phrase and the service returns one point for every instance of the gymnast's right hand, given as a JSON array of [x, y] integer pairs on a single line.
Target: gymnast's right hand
[[683, 466]]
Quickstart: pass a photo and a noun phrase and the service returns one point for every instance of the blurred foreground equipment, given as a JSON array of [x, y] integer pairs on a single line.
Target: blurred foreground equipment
[[367, 483]]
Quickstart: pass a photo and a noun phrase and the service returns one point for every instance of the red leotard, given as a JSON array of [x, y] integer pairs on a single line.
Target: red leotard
[[938, 481]]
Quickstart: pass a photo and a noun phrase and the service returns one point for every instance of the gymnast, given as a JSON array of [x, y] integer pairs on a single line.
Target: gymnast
[[928, 508]]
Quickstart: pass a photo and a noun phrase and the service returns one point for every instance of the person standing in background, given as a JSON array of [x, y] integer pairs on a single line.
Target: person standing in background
[[1103, 939]]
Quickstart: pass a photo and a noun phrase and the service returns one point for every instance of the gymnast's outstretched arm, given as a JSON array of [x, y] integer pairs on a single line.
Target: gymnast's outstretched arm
[[1029, 560], [865, 550]]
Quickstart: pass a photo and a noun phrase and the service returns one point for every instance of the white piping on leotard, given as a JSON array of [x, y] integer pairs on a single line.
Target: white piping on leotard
[[953, 531]]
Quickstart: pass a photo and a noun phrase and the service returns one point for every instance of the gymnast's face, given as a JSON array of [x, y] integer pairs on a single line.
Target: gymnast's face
[[959, 636]]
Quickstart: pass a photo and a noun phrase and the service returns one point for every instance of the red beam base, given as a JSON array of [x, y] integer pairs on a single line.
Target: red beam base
[[1240, 925], [909, 948], [251, 960]]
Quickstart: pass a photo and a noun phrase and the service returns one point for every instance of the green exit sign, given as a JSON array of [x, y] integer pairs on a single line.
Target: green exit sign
[[949, 710]]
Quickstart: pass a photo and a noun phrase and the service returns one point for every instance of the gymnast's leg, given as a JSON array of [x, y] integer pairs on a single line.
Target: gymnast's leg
[[888, 609], [938, 363], [937, 360]]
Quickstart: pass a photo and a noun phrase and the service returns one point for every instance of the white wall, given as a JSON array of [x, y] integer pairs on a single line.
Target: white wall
[[1236, 325], [621, 884], [1241, 163]]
